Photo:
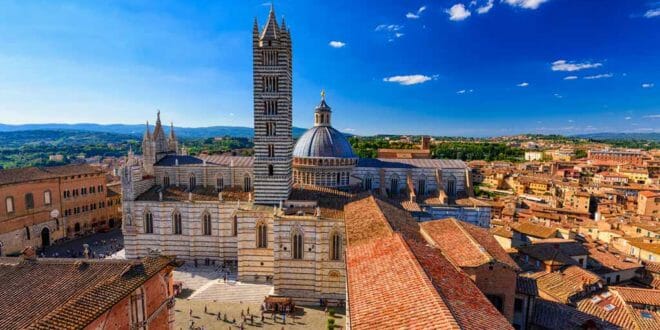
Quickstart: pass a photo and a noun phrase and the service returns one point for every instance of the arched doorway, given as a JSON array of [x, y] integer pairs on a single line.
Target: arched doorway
[[111, 223], [45, 237], [76, 228]]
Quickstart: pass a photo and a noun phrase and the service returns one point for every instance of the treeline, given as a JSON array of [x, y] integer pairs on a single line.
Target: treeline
[[242, 146], [477, 151]]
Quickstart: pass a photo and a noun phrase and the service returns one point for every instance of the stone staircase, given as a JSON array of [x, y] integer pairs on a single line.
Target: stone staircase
[[233, 291]]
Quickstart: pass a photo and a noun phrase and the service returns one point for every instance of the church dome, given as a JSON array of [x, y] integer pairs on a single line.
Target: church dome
[[323, 141]]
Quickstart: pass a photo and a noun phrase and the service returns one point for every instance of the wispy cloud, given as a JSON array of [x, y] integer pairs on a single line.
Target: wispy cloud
[[647, 85], [599, 76], [458, 12], [523, 84], [389, 27], [627, 118], [558, 96], [570, 77], [652, 13], [416, 14], [465, 91], [349, 130], [563, 65], [336, 44], [652, 116], [527, 4], [408, 80], [486, 8]]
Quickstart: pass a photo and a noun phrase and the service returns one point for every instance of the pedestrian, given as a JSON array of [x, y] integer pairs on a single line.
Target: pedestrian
[[251, 319], [242, 313], [190, 312], [248, 311], [205, 310], [283, 318], [219, 317], [262, 317], [326, 311]]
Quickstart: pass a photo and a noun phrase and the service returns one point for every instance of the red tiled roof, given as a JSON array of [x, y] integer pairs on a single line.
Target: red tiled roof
[[565, 284], [465, 245], [67, 293], [397, 281], [530, 229], [611, 306]]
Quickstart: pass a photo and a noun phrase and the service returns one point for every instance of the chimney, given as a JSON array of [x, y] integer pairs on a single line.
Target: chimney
[[29, 254]]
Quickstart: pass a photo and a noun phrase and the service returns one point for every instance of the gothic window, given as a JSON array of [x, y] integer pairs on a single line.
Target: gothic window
[[451, 186], [271, 170], [176, 223], [271, 150], [270, 129], [166, 181], [297, 243], [192, 181], [235, 226], [9, 205], [262, 236], [27, 232], [148, 223], [421, 186], [219, 183], [270, 107], [338, 179], [367, 182], [206, 219], [29, 201], [394, 185], [137, 309], [335, 247], [247, 183], [270, 84]]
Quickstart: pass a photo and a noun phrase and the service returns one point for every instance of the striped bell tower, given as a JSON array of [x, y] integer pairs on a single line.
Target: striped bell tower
[[273, 140]]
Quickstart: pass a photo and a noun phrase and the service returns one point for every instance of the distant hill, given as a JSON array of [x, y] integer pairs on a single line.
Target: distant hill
[[138, 130], [621, 136]]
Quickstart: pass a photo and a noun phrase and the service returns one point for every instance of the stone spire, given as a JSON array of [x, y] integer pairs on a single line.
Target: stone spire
[[271, 28], [147, 133], [172, 137]]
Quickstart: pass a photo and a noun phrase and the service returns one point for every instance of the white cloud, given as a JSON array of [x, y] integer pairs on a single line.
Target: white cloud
[[599, 76], [415, 15], [458, 12], [647, 85], [558, 96], [570, 77], [465, 91], [527, 4], [349, 130], [486, 8], [336, 44], [627, 118], [563, 65], [652, 116], [398, 34], [652, 13], [389, 27], [408, 79], [523, 84]]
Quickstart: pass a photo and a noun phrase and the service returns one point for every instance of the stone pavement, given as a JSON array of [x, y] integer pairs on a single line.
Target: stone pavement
[[207, 283]]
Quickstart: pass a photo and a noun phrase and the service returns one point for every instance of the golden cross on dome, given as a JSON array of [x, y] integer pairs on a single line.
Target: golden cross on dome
[[323, 94]]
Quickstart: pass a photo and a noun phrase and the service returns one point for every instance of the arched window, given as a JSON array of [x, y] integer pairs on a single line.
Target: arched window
[[297, 243], [451, 186], [271, 170], [335, 247], [206, 224], [262, 236], [137, 311], [338, 179], [235, 226], [247, 183], [192, 181], [27, 233], [271, 150], [421, 186], [148, 223], [47, 197], [176, 223], [29, 201], [9, 205], [367, 182], [394, 185], [219, 183], [166, 181]]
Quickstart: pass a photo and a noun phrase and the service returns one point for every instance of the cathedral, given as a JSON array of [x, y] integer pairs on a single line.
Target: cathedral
[[278, 216]]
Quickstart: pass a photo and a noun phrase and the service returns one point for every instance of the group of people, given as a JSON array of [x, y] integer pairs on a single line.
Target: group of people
[[247, 318], [96, 250]]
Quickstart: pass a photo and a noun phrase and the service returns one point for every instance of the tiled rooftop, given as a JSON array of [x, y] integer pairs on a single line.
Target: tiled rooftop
[[67, 293]]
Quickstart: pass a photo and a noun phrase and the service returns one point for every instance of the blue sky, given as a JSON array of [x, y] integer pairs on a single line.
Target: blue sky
[[460, 67]]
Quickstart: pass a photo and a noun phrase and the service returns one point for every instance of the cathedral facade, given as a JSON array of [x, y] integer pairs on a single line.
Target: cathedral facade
[[278, 215]]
